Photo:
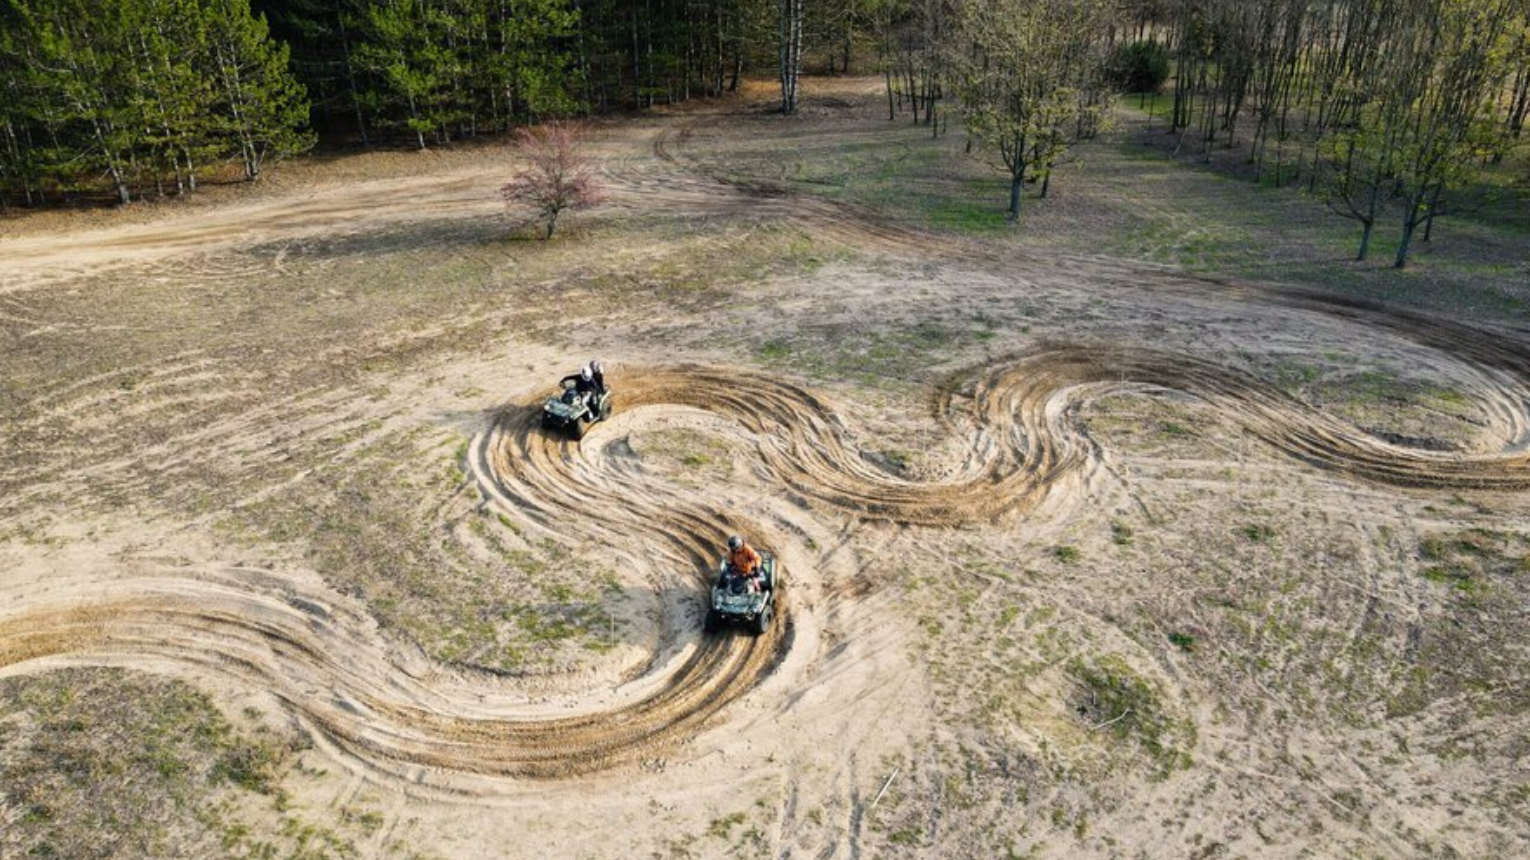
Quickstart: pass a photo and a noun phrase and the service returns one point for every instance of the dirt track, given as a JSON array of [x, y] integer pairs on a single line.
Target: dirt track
[[1011, 425], [1020, 448]]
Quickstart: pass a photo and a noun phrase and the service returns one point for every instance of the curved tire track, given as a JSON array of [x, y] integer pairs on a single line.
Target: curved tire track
[[1020, 448]]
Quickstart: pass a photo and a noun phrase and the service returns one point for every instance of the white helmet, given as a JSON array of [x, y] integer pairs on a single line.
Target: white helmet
[[586, 374], [595, 366]]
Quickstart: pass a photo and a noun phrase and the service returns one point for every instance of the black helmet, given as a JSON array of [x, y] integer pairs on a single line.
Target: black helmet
[[735, 542]]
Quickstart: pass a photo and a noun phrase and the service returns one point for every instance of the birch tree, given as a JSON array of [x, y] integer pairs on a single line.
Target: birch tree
[[789, 47]]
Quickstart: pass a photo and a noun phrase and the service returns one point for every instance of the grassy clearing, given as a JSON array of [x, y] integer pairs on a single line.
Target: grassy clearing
[[869, 356], [1417, 410], [1125, 195], [100, 763], [898, 170]]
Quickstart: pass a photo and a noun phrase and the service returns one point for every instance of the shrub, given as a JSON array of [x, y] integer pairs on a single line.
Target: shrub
[[1140, 67]]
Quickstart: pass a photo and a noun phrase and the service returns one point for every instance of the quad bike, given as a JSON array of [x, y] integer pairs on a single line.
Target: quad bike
[[573, 412], [734, 602]]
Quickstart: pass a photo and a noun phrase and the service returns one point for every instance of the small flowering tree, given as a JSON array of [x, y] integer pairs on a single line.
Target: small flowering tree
[[559, 176]]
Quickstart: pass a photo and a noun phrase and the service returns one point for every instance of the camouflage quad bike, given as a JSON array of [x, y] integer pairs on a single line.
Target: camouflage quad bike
[[733, 602], [573, 413]]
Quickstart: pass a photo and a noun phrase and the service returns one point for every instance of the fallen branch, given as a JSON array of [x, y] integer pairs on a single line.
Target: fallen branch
[[878, 798], [1111, 722]]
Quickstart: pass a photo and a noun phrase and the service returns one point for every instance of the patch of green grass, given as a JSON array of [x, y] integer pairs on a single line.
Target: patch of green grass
[[1067, 554], [1258, 532], [1432, 548], [1293, 376], [906, 836], [775, 350], [1121, 534], [967, 216], [722, 828], [1182, 641], [1456, 577], [1115, 698], [1465, 561]]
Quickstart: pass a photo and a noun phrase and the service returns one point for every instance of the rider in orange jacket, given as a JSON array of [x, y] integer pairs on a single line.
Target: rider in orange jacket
[[743, 561]]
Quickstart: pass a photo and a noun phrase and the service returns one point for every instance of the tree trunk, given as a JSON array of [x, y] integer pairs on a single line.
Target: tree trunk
[[1433, 212], [789, 31], [1016, 186], [350, 79], [637, 64], [1411, 221], [1403, 245]]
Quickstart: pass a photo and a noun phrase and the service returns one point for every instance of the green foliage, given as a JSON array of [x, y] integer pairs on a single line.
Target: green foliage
[[1032, 86], [1258, 532], [142, 93], [722, 828], [431, 71], [261, 106], [1139, 67]]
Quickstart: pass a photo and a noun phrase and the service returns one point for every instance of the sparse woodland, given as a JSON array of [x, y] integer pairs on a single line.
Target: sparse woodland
[[1380, 108]]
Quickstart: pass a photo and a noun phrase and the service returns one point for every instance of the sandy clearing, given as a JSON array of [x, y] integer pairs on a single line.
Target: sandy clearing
[[813, 699]]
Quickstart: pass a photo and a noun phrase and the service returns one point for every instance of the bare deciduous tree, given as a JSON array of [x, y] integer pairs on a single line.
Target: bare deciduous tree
[[559, 177]]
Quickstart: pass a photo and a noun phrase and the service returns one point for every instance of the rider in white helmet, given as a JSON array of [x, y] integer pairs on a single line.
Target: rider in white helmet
[[597, 375], [586, 383]]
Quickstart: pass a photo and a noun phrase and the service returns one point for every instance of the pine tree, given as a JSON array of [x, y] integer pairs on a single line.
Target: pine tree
[[263, 109]]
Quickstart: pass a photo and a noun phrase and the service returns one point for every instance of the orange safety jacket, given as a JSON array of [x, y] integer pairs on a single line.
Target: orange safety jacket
[[744, 559]]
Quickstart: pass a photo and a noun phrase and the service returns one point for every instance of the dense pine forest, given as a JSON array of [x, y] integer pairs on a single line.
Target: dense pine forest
[[1377, 105]]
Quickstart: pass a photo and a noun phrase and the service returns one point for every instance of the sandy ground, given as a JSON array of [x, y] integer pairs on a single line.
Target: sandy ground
[[1073, 567]]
